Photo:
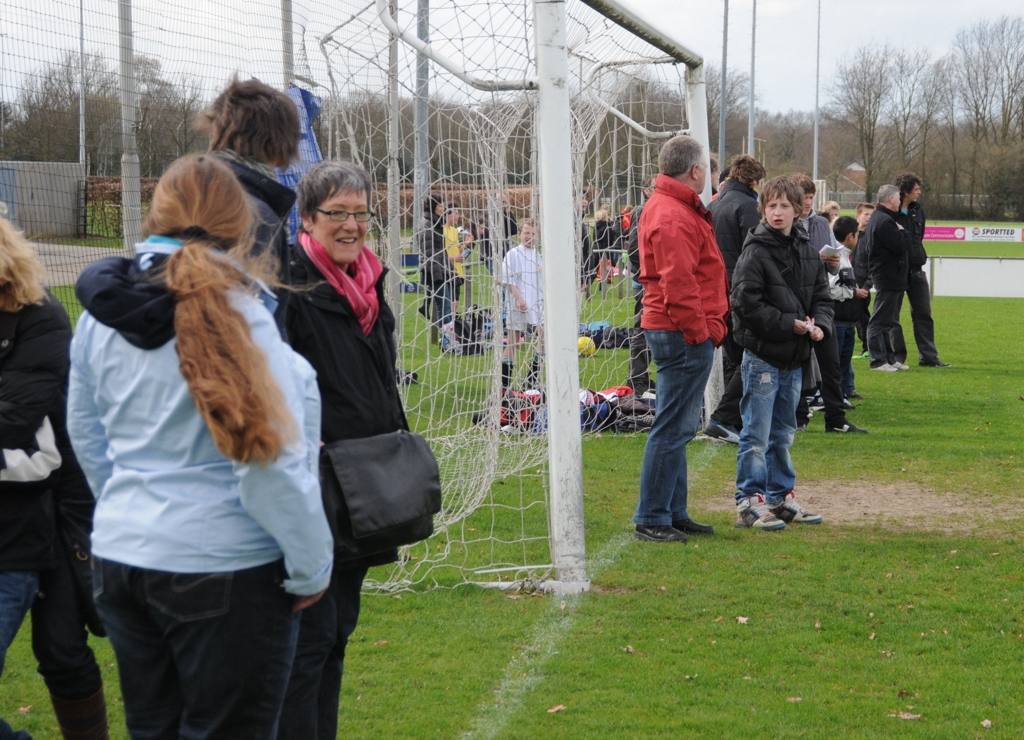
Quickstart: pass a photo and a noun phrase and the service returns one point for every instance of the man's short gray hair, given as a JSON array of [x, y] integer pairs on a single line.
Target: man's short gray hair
[[887, 191], [328, 179], [679, 155]]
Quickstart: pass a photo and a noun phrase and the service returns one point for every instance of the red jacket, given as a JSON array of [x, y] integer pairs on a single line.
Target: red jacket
[[681, 268]]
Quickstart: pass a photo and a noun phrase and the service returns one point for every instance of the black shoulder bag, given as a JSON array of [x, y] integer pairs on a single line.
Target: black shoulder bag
[[379, 492], [73, 526]]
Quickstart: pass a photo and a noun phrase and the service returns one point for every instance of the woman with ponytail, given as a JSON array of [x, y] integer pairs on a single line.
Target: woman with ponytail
[[198, 430]]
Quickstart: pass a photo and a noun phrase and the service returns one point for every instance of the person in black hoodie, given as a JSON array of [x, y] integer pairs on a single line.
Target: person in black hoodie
[[436, 267], [780, 303], [254, 128], [45, 503], [918, 293], [340, 322], [734, 215], [888, 246]]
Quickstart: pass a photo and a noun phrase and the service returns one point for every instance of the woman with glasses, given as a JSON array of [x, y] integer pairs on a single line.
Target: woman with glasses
[[339, 321]]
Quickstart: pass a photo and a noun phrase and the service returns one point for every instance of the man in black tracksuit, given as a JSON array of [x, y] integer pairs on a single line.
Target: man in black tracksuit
[[888, 246], [639, 355], [734, 214], [917, 282]]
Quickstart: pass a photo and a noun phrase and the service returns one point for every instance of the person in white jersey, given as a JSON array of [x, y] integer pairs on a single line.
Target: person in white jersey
[[522, 275]]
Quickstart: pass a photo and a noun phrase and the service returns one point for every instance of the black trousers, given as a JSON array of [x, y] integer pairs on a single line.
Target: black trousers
[[827, 352], [59, 639], [728, 411], [885, 315], [920, 300], [639, 354]]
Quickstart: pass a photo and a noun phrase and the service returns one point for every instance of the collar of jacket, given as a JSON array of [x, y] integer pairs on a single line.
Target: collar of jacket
[[684, 194], [317, 288], [886, 211], [261, 184], [769, 237], [732, 184]]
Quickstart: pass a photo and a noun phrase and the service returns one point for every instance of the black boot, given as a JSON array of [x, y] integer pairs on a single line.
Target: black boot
[[82, 719], [506, 373]]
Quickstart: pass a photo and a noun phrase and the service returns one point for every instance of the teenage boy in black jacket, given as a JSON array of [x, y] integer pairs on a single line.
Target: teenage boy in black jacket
[[781, 305]]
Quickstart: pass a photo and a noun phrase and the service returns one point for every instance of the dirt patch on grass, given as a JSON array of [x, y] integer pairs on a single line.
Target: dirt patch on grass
[[902, 505]]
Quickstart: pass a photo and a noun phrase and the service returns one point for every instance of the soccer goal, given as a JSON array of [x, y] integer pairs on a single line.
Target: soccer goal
[[552, 111]]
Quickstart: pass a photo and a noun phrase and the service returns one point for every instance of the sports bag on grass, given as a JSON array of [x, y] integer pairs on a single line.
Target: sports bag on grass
[[379, 492]]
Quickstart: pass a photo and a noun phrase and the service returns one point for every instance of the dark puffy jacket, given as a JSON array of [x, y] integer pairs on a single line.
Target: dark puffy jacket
[[435, 266], [271, 202], [33, 387], [764, 307], [888, 248], [861, 268], [847, 312], [493, 246], [633, 243], [355, 373], [913, 221], [734, 213]]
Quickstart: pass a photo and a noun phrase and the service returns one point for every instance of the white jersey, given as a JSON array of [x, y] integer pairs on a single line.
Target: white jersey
[[523, 268]]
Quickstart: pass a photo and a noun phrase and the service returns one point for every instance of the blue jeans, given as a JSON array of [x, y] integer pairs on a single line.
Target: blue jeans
[[201, 655], [442, 296], [17, 591], [683, 370], [768, 409], [311, 705], [846, 336]]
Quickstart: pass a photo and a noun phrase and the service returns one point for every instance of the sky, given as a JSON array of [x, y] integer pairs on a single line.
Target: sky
[[786, 35], [211, 38]]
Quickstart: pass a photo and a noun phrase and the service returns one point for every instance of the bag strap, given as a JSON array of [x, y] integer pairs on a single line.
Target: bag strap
[[790, 278]]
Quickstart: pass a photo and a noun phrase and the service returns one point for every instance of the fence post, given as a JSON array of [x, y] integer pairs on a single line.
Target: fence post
[[131, 190]]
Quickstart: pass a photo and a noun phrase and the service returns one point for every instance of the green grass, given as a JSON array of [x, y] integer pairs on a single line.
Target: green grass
[[947, 625], [107, 242]]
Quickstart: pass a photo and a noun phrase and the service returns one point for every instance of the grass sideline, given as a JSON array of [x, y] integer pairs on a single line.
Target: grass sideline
[[947, 625]]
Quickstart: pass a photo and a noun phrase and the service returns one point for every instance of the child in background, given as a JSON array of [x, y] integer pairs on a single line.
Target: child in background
[[521, 273], [847, 298], [453, 247]]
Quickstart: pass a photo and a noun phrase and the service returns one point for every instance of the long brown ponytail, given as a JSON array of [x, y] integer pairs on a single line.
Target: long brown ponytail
[[199, 200]]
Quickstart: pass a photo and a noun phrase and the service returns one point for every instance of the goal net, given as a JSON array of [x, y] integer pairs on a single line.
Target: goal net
[[421, 130]]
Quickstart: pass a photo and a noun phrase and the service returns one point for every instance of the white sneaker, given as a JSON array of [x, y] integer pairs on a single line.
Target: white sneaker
[[901, 366], [886, 368], [752, 512], [790, 511]]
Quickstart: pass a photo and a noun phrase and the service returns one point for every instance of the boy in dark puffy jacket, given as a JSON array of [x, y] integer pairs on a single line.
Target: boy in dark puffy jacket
[[780, 303]]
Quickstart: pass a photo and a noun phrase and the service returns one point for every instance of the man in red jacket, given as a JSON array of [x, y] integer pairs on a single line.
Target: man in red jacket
[[685, 306]]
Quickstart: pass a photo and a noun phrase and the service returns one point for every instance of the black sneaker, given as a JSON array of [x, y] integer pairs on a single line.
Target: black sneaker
[[847, 405], [937, 363], [846, 428], [688, 526], [721, 432], [856, 396], [661, 533]]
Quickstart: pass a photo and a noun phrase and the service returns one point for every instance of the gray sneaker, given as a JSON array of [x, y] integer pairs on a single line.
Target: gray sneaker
[[752, 512], [791, 512], [886, 368]]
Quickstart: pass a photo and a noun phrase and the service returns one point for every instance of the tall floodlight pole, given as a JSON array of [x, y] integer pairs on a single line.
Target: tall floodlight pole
[[287, 43], [721, 96], [817, 86], [131, 195], [81, 84], [565, 452], [753, 48], [421, 161]]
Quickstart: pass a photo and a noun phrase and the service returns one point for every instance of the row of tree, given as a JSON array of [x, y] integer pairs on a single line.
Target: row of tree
[[958, 121]]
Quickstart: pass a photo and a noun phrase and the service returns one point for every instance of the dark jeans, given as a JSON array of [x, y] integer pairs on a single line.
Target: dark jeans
[[17, 590], [683, 371], [846, 337], [201, 655], [827, 352], [639, 354], [441, 296], [920, 300], [883, 318], [59, 639], [311, 704], [727, 412]]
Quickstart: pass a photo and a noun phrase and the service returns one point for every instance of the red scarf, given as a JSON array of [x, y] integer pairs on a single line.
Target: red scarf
[[359, 288]]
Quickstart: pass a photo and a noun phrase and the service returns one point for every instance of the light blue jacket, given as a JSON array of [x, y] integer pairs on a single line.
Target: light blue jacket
[[167, 499]]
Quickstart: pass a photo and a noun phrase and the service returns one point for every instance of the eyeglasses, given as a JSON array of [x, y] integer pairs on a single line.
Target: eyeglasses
[[361, 217]]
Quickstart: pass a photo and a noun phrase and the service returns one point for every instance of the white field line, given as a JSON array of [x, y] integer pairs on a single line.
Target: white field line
[[524, 671]]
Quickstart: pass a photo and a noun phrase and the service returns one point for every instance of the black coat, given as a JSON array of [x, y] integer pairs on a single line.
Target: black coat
[[355, 373], [764, 307], [861, 268], [888, 250], [633, 243], [33, 386], [271, 202], [913, 222], [734, 214], [435, 267]]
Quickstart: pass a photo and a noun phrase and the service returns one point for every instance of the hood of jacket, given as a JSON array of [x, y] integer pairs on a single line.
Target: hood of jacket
[[733, 185], [130, 296], [279, 197]]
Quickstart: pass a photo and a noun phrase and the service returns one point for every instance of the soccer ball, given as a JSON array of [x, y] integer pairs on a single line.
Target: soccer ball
[[586, 346]]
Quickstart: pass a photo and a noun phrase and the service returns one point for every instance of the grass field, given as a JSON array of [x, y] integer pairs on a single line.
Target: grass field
[[917, 611]]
